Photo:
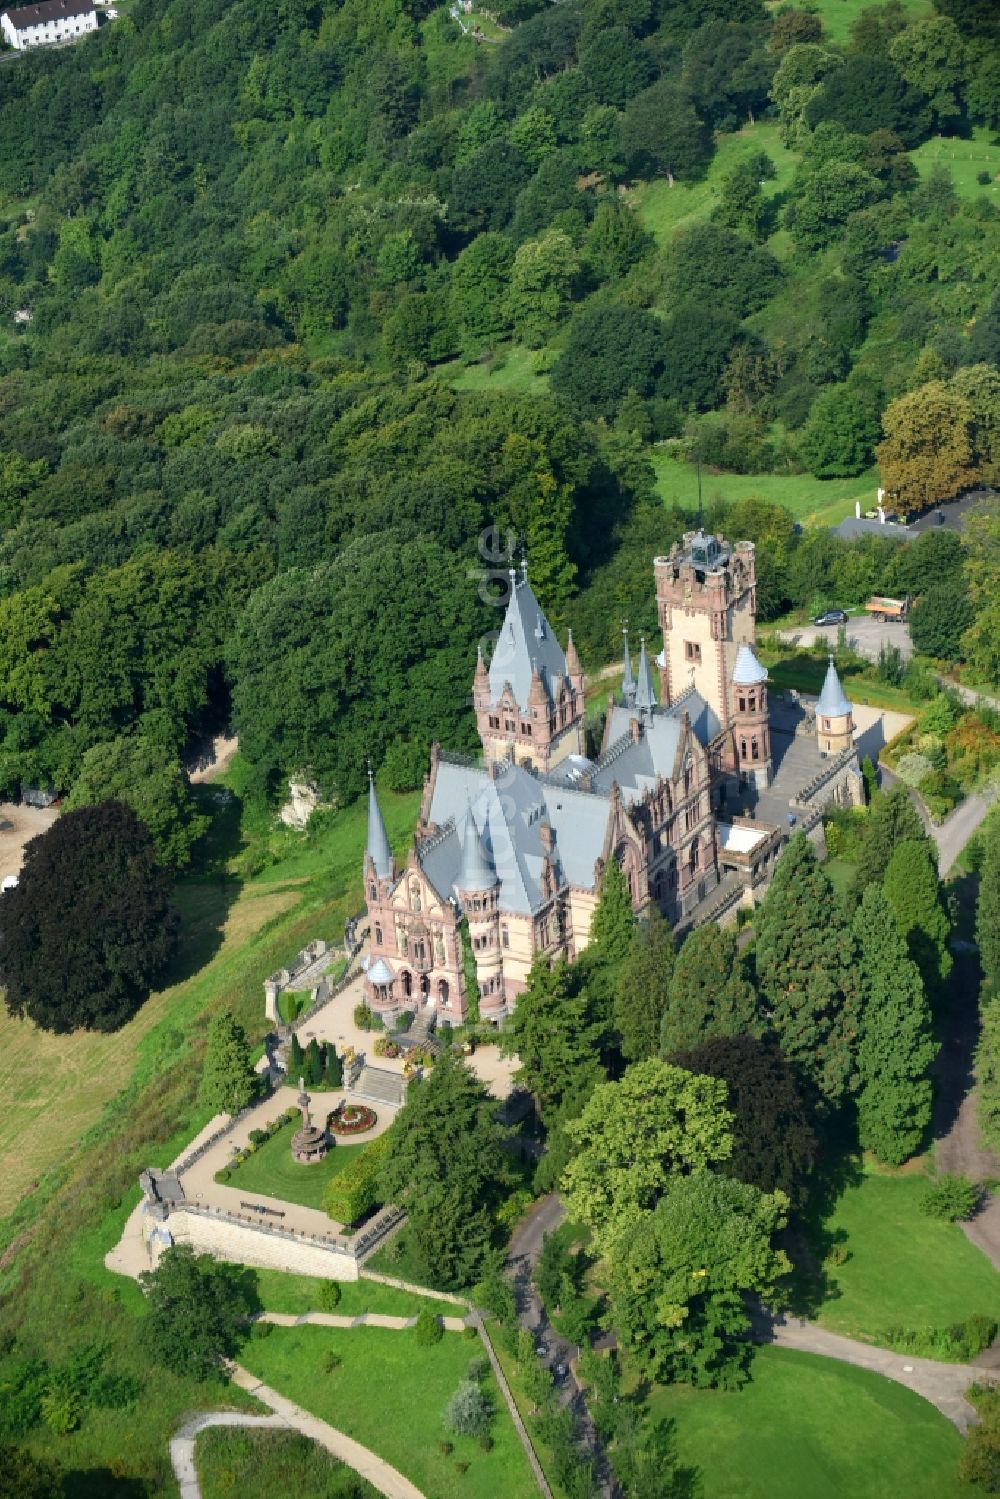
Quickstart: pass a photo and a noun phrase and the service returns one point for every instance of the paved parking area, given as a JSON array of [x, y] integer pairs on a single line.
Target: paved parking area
[[864, 635]]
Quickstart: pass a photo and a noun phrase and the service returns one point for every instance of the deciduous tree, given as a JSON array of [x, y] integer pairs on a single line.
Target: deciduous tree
[[681, 1278], [554, 1034], [643, 986], [926, 454], [632, 1136], [90, 923], [150, 780], [195, 1304]]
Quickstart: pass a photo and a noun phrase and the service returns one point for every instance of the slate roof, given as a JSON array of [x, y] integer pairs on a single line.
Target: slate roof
[[509, 814], [636, 764], [48, 10], [855, 526], [476, 871], [526, 640], [748, 671], [832, 702]]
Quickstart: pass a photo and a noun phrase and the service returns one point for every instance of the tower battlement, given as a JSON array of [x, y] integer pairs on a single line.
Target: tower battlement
[[706, 600]]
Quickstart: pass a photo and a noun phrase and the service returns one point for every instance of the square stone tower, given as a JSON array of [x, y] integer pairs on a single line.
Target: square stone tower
[[706, 598]]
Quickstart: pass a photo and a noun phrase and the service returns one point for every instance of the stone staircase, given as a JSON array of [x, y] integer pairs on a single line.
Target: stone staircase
[[379, 1085], [421, 1032]]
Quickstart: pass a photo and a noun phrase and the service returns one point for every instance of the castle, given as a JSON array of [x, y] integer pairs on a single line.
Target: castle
[[509, 852]]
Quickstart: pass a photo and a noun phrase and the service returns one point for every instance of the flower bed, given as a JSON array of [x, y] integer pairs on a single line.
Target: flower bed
[[352, 1119]]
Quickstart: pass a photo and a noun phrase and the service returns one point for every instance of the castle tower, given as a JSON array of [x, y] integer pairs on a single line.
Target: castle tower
[[478, 891], [628, 681], [751, 731], [706, 598], [380, 876], [529, 702], [834, 716]]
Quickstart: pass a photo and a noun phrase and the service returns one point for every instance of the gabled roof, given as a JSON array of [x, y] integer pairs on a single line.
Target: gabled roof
[[748, 671], [48, 10], [526, 641], [832, 702], [377, 846]]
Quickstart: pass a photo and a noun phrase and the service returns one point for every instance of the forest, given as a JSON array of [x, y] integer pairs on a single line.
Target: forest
[[258, 253]]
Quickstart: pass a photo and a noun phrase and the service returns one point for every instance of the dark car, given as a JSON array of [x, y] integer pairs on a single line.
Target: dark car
[[831, 617]]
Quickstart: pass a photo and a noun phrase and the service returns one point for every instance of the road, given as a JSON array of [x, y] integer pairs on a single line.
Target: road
[[954, 832]]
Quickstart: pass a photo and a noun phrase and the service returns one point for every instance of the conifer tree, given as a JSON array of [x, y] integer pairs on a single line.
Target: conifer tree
[[892, 818], [313, 1064], [988, 1074], [553, 1033], [333, 1067], [914, 891], [642, 988], [805, 970], [895, 1045], [613, 921], [296, 1059], [710, 994], [228, 1080], [988, 907]]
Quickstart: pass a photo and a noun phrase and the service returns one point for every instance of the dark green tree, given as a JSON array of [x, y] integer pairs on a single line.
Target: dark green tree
[[844, 426], [610, 351], [615, 65], [680, 1280], [697, 343], [554, 1034], [742, 204], [89, 925], [892, 818], [613, 921], [774, 1142], [710, 993], [333, 1067], [914, 891], [195, 1306], [229, 1082], [642, 989], [988, 906], [662, 135], [447, 1167], [296, 1059], [895, 1046], [714, 266], [313, 1064], [24, 1476], [805, 970], [939, 619], [866, 94]]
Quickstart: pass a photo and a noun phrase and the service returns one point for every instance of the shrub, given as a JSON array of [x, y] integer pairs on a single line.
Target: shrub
[[975, 1333], [261, 1330], [486, 1441], [983, 178], [259, 1136], [429, 1330], [461, 1466], [329, 1295], [446, 1448], [468, 1412], [478, 1368], [469, 1334], [951, 1198], [355, 1190], [913, 768], [330, 1361], [403, 1020], [62, 1410], [839, 1255], [365, 1019]]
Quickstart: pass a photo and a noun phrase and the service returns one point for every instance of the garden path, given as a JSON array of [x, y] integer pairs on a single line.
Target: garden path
[[364, 1319]]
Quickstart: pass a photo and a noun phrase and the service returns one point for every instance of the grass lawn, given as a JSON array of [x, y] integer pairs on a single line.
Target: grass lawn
[[664, 209], [841, 873], [390, 1394], [813, 502], [788, 668], [272, 1172], [299, 1293], [810, 1428], [261, 1464], [397, 1258], [963, 159], [905, 1269], [511, 368]]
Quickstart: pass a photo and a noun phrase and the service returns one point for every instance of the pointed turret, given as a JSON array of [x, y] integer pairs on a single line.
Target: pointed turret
[[481, 681], [476, 871], [538, 697], [833, 701], [377, 849], [573, 667], [628, 681], [645, 690]]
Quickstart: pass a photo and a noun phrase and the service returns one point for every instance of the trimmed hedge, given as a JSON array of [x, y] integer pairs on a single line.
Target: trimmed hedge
[[354, 1191]]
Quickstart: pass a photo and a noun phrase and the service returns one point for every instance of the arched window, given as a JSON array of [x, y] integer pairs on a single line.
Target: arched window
[[752, 703], [743, 749], [407, 983], [373, 891], [688, 776], [742, 704], [414, 897], [378, 935], [443, 991], [694, 856], [754, 750]]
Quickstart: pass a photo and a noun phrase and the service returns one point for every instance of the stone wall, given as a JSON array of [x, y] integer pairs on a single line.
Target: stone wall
[[250, 1244]]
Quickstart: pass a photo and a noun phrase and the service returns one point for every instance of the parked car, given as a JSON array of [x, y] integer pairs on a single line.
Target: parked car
[[831, 617]]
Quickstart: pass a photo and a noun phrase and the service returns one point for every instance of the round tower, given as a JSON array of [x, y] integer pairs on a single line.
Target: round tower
[[751, 731], [478, 890], [834, 716]]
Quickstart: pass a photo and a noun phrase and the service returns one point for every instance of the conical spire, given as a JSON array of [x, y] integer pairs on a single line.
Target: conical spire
[[573, 667], [645, 689], [378, 849], [628, 681], [476, 872], [832, 700]]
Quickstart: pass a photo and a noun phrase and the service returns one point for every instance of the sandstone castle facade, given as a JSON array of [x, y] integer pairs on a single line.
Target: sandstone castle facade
[[509, 851]]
